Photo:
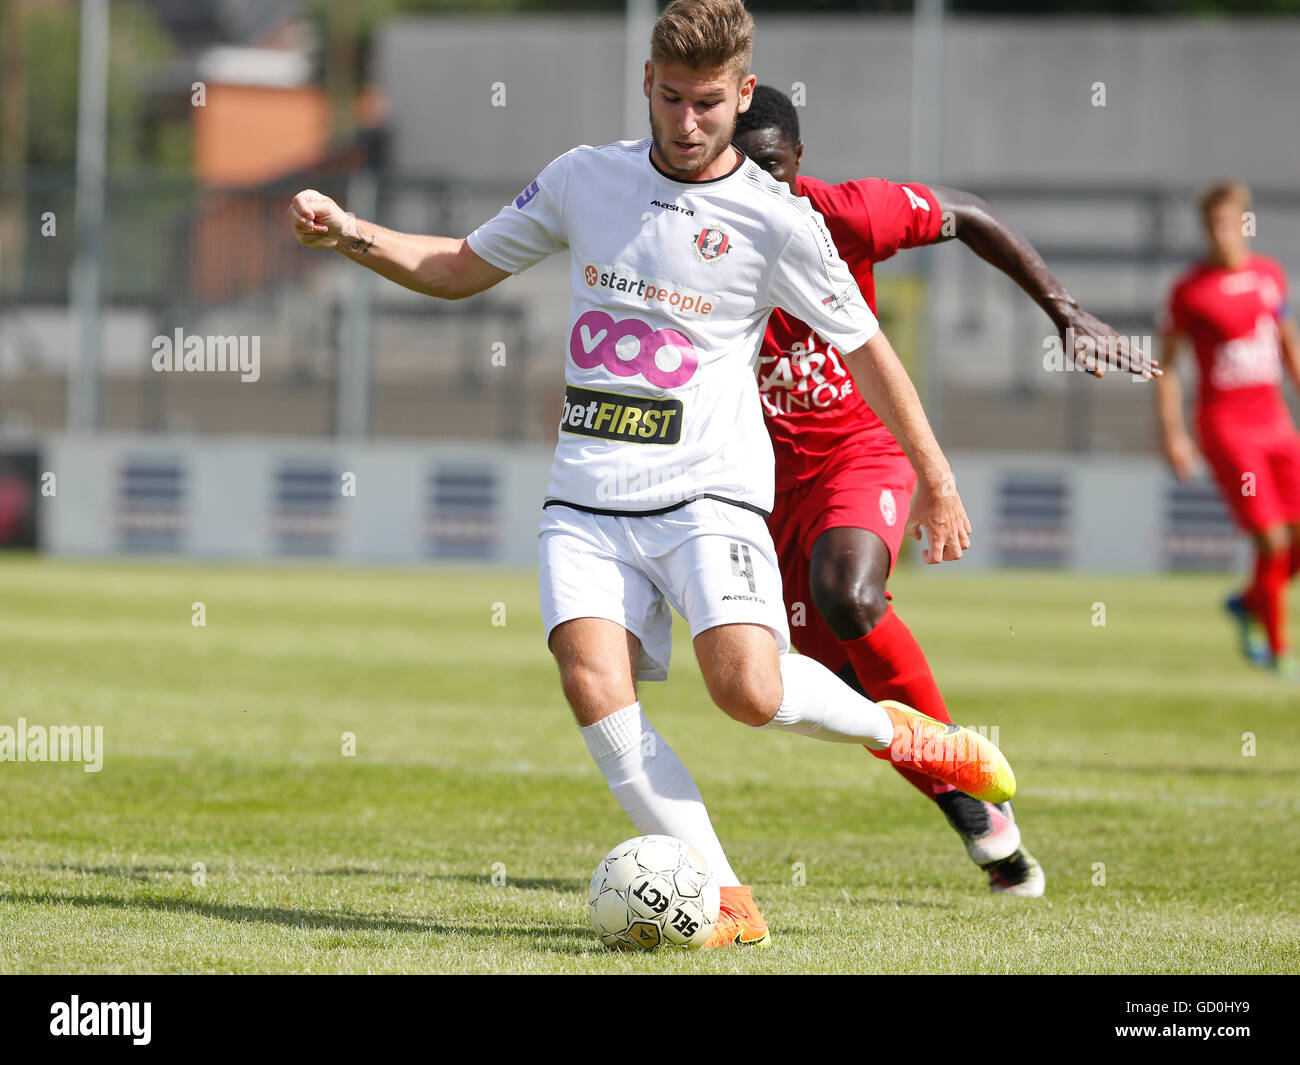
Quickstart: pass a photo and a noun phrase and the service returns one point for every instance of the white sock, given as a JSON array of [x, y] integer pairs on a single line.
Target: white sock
[[653, 786], [817, 703]]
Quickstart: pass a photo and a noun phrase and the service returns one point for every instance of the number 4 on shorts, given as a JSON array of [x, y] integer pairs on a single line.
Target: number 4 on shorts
[[739, 551]]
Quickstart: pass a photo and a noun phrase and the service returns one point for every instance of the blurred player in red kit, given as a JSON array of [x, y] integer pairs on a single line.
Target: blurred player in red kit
[[843, 483], [1232, 306]]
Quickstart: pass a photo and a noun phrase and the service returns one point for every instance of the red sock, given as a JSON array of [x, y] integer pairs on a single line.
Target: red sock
[[1266, 599], [891, 665]]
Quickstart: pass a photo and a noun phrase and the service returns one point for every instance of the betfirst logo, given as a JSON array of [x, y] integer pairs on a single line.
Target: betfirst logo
[[612, 416], [650, 291]]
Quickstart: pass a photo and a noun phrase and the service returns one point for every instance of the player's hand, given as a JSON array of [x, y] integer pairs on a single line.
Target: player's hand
[[1182, 456], [1110, 351], [938, 510], [318, 222]]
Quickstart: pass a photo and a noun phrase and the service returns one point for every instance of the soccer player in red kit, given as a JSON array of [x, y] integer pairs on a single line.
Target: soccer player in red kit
[[843, 484], [1232, 306]]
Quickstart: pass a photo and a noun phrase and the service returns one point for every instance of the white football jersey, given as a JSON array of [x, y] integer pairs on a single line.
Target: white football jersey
[[672, 285]]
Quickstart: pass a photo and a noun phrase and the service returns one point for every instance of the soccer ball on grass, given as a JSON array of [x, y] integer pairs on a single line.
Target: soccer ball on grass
[[651, 891]]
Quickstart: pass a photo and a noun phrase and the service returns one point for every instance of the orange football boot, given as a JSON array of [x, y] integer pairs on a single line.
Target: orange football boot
[[739, 922], [949, 753]]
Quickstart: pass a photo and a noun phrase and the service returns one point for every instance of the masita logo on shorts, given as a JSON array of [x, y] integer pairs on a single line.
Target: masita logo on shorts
[[650, 291], [610, 416]]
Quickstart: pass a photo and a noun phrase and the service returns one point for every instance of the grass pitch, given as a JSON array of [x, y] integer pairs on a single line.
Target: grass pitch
[[229, 832]]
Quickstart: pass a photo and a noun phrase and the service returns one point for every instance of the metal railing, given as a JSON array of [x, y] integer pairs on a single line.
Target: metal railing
[[222, 261]]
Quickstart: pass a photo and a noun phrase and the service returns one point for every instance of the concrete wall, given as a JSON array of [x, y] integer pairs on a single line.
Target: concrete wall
[[269, 499], [1185, 100]]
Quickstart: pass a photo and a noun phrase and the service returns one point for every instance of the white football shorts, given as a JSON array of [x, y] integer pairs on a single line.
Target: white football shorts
[[713, 562]]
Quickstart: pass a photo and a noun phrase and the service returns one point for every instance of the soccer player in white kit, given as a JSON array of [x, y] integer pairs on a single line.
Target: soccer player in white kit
[[680, 246]]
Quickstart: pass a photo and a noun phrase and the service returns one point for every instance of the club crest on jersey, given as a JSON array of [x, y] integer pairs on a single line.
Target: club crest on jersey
[[888, 508], [711, 244]]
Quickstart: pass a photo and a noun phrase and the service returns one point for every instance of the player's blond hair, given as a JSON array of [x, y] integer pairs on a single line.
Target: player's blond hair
[[1227, 191], [705, 35]]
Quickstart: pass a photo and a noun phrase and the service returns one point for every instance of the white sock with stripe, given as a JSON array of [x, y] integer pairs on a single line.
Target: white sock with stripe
[[817, 703], [653, 786]]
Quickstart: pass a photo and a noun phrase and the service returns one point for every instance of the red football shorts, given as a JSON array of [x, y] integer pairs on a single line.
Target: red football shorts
[[1257, 468], [869, 490]]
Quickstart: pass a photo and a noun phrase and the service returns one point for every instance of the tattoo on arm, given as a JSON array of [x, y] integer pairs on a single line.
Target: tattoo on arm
[[361, 245]]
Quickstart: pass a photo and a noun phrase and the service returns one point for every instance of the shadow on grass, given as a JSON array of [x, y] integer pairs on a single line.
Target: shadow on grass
[[147, 872], [898, 901], [568, 938], [1107, 766], [525, 883], [126, 872]]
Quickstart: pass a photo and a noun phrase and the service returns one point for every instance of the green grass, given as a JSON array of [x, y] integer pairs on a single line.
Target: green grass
[[223, 747]]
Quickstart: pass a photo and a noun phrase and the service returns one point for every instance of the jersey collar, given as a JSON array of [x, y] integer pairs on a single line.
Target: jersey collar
[[694, 184]]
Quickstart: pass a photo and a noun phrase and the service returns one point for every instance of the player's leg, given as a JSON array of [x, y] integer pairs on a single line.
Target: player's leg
[[848, 568], [1289, 664], [1242, 467], [739, 629], [754, 684], [988, 832], [1266, 596], [851, 540], [850, 532], [606, 625], [597, 659], [794, 525], [1253, 476], [1285, 468]]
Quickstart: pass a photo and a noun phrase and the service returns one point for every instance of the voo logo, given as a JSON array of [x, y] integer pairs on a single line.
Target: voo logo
[[664, 357]]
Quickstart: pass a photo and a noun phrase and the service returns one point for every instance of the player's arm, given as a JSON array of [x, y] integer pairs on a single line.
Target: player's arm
[[888, 390], [1174, 437], [984, 233], [810, 280], [435, 266], [1290, 335]]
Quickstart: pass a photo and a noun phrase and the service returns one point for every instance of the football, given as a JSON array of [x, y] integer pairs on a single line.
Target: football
[[653, 891]]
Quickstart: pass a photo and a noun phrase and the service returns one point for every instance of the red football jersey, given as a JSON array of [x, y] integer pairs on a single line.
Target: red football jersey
[[809, 400], [1231, 318]]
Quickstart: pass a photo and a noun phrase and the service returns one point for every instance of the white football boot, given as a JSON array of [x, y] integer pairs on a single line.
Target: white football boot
[[992, 840]]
